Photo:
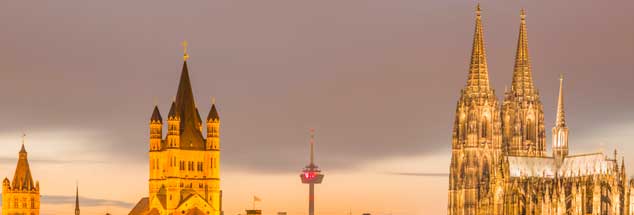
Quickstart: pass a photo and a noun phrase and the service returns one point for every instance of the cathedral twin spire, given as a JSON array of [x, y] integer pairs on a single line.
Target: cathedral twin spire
[[478, 72]]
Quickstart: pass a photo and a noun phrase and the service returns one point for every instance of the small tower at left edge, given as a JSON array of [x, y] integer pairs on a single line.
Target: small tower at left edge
[[22, 195]]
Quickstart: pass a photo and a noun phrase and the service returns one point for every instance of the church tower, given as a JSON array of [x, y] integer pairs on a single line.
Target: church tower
[[77, 200], [560, 131], [185, 163], [21, 196], [476, 143], [522, 111]]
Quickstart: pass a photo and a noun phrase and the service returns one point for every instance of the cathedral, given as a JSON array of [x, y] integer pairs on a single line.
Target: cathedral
[[499, 160], [184, 176], [22, 195]]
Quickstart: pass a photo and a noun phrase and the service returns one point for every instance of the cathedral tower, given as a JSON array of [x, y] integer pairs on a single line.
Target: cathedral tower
[[522, 111], [21, 196], [476, 144], [185, 164], [560, 131]]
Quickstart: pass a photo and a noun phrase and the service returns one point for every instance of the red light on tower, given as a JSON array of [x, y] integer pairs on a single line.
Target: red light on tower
[[311, 175]]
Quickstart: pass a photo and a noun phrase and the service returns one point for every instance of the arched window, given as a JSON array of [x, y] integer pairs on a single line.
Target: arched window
[[530, 130]]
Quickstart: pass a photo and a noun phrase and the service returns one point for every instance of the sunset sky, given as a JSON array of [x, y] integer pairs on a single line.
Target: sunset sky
[[377, 79]]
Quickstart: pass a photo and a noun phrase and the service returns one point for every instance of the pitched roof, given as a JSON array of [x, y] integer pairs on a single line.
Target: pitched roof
[[213, 113], [191, 136], [156, 115], [22, 178]]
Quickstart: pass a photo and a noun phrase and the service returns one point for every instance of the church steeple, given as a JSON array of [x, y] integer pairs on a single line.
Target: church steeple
[[522, 111], [522, 75], [561, 115], [560, 131], [185, 108], [22, 178], [478, 80], [77, 200]]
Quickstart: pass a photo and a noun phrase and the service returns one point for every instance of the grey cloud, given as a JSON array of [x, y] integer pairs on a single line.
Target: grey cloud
[[376, 80]]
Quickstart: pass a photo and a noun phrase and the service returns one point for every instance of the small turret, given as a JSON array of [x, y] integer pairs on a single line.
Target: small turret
[[173, 127], [560, 131], [156, 130], [213, 127]]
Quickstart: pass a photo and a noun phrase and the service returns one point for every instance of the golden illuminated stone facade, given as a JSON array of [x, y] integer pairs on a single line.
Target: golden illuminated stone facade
[[499, 163], [185, 163], [21, 196]]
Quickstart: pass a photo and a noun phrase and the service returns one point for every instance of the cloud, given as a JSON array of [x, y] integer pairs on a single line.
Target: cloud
[[50, 161], [83, 201]]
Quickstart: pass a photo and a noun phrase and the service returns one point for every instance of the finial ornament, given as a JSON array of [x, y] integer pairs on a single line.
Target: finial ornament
[[478, 10], [523, 14], [23, 137], [213, 100], [185, 55]]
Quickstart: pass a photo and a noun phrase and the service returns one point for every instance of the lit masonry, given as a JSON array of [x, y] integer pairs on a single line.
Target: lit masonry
[[499, 163], [184, 165], [22, 195]]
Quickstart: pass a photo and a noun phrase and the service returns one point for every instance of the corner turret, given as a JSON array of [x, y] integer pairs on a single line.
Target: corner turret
[[560, 131], [213, 128], [156, 130]]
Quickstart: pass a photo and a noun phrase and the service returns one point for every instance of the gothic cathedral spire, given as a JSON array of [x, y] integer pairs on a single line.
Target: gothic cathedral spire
[[560, 131], [522, 111], [476, 141], [478, 80]]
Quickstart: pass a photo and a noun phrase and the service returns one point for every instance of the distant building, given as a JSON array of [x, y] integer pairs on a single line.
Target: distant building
[[281, 213], [254, 212], [499, 163], [185, 164], [21, 196]]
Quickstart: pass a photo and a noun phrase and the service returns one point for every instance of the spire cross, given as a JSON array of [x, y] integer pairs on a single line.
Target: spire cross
[[185, 55], [23, 137]]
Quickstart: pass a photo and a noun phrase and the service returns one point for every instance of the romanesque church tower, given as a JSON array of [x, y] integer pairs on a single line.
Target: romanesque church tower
[[522, 111], [185, 163], [476, 183], [21, 196]]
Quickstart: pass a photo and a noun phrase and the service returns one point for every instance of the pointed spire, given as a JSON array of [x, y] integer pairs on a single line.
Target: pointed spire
[[213, 113], [77, 199], [156, 115], [185, 108], [522, 75], [22, 178], [478, 73], [561, 115], [173, 112]]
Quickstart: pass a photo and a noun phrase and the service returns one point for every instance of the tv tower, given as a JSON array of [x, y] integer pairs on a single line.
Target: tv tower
[[311, 175]]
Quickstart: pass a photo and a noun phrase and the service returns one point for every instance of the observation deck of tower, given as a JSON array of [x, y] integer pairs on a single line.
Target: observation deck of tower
[[311, 175]]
